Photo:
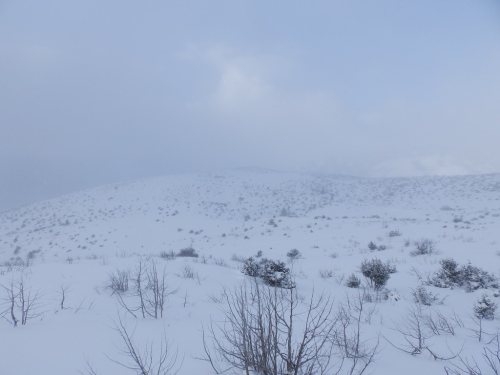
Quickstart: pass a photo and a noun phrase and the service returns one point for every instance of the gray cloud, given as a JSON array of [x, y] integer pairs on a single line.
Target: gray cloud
[[95, 92]]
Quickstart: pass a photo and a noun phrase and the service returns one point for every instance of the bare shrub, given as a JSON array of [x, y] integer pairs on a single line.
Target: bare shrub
[[187, 272], [439, 324], [168, 255], [118, 281], [352, 314], [490, 357], [423, 247], [63, 291], [417, 336], [148, 359], [262, 334], [238, 258], [150, 291], [423, 296], [220, 262], [326, 274], [21, 302]]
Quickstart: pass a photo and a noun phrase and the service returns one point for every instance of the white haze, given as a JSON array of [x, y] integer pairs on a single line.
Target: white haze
[[95, 92]]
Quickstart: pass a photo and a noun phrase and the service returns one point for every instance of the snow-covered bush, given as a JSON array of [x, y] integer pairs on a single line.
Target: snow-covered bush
[[391, 267], [372, 246], [471, 277], [275, 273], [423, 247], [484, 308], [377, 272], [394, 233], [293, 254], [251, 268], [353, 281], [424, 297], [476, 278], [448, 276], [188, 252]]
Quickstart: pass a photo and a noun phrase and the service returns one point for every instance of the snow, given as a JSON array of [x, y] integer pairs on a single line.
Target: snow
[[77, 240]]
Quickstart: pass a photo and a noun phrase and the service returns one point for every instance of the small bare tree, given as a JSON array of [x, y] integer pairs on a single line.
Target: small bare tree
[[149, 359], [437, 323], [144, 361], [118, 281], [63, 291], [151, 291], [269, 331], [491, 358], [158, 291], [416, 334], [10, 302], [21, 301], [352, 314], [484, 308]]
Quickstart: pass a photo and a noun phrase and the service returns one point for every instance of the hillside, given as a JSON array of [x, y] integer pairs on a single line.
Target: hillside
[[76, 241]]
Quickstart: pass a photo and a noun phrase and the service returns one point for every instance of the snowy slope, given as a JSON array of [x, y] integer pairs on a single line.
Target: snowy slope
[[77, 240]]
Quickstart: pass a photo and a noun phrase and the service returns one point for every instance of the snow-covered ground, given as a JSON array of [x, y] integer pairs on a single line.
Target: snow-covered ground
[[76, 241]]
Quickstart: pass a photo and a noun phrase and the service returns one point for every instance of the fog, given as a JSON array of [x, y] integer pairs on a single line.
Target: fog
[[94, 92]]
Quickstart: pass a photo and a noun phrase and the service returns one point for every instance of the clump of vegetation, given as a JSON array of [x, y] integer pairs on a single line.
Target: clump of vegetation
[[471, 277], [238, 258], [293, 254], [118, 281], [168, 255], [251, 268], [353, 281], [484, 308], [273, 273], [424, 297], [394, 233], [377, 272], [326, 274], [372, 246], [424, 247], [447, 208], [188, 252]]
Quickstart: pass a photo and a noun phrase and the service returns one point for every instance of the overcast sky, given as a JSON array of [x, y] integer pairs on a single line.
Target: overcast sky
[[95, 91]]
